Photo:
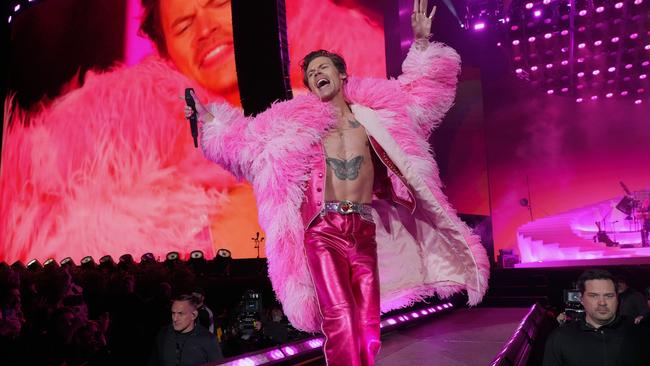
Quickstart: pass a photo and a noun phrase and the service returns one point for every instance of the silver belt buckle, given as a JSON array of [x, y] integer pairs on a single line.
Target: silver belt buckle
[[346, 207]]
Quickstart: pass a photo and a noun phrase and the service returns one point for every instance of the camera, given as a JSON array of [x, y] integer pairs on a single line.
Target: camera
[[572, 305], [249, 312]]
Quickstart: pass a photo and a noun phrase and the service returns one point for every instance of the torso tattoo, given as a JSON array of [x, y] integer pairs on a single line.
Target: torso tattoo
[[345, 169]]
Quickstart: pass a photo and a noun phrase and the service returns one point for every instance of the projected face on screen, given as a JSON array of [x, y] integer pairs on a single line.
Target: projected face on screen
[[199, 40]]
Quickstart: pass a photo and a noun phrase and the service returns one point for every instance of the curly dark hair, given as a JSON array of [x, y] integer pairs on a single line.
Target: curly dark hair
[[151, 25], [595, 274], [337, 60]]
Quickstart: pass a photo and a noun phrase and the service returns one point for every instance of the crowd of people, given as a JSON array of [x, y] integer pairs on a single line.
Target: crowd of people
[[117, 314]]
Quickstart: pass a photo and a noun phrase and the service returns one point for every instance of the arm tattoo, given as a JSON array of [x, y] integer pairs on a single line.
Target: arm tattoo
[[345, 169], [354, 123]]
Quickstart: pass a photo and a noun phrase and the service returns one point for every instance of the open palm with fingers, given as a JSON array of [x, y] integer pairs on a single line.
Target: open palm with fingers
[[420, 21]]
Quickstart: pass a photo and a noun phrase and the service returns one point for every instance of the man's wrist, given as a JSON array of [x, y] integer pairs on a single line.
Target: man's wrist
[[422, 43]]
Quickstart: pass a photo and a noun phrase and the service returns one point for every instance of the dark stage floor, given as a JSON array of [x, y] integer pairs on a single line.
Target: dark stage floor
[[466, 337]]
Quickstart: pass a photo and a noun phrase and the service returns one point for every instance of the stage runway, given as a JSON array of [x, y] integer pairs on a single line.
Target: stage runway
[[465, 337]]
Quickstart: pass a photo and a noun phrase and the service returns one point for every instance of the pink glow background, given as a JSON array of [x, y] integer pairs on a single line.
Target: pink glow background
[[573, 154]]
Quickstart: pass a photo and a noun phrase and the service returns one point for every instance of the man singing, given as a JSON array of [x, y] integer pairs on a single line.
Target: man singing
[[349, 195]]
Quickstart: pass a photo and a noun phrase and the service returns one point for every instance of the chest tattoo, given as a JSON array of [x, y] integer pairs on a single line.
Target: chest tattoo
[[345, 169], [354, 123]]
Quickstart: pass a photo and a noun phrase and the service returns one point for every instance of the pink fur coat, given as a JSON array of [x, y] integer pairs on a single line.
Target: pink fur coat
[[108, 168], [421, 254]]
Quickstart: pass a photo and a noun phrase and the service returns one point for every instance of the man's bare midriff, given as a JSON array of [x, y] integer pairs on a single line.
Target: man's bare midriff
[[350, 170]]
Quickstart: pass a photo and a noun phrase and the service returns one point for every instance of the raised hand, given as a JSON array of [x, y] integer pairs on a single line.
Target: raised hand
[[420, 22]]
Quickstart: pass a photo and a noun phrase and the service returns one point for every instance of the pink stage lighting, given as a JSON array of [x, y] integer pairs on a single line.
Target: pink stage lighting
[[581, 74], [565, 89], [642, 76], [531, 39], [611, 69], [609, 95], [479, 26], [537, 13], [594, 97], [618, 5], [529, 5], [595, 72], [624, 93], [598, 43], [582, 13], [600, 9], [615, 39], [550, 91], [564, 62], [634, 36], [519, 71], [581, 45], [638, 101], [533, 68], [637, 2], [628, 66], [579, 100], [515, 42], [276, 354], [289, 350], [546, 2], [315, 343], [548, 35], [564, 32]]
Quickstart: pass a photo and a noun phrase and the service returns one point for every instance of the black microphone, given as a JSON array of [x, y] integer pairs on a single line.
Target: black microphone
[[193, 118]]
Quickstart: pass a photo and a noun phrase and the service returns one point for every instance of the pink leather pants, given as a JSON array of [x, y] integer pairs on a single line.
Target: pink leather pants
[[342, 258]]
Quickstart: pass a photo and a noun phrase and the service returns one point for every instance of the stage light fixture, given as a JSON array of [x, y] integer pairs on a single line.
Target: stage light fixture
[[479, 26], [147, 258], [618, 5], [18, 266], [50, 263], [638, 101], [88, 262], [67, 262], [196, 254], [224, 253], [34, 264], [106, 262], [126, 260], [172, 256]]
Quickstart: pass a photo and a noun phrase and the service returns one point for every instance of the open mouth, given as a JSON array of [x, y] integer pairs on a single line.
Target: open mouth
[[321, 83], [215, 55]]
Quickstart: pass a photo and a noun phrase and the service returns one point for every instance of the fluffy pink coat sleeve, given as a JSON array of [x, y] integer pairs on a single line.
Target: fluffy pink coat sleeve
[[429, 76], [228, 141]]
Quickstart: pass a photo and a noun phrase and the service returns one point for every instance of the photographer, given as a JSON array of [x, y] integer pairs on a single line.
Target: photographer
[[185, 343], [602, 337]]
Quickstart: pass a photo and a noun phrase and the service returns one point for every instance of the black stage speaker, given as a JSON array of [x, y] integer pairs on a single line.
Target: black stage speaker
[[261, 53]]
